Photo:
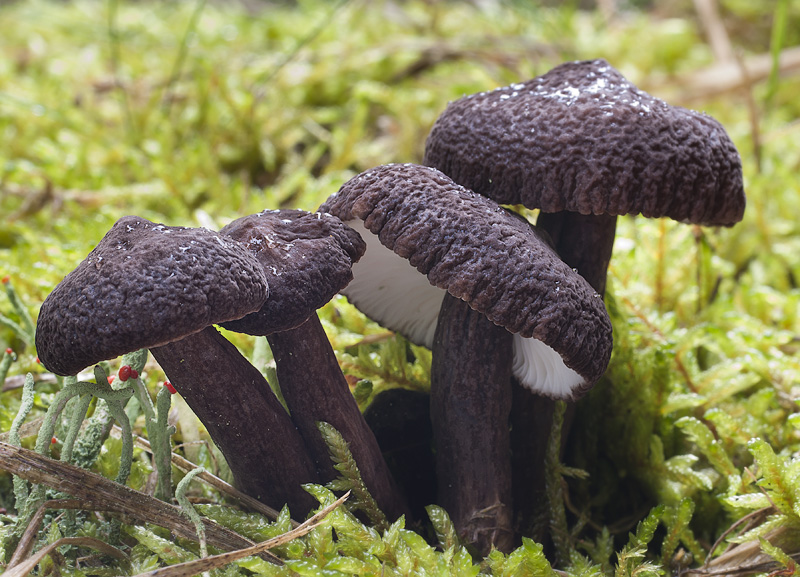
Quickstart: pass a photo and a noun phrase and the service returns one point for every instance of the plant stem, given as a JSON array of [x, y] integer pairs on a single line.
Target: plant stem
[[78, 414], [20, 485], [189, 510], [554, 484]]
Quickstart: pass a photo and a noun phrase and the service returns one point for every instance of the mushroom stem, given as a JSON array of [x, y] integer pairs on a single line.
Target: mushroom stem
[[264, 450], [470, 406], [583, 241], [531, 423], [315, 390]]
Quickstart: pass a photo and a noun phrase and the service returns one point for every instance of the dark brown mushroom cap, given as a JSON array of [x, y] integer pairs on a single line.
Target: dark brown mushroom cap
[[142, 286], [307, 258], [481, 253], [584, 139]]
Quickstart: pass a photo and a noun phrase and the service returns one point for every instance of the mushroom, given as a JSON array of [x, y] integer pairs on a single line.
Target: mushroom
[[583, 145], [307, 258], [147, 285], [489, 284]]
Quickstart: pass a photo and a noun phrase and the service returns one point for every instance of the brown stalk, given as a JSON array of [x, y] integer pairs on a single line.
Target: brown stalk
[[470, 406], [315, 390], [585, 243], [264, 451], [16, 381], [29, 429], [749, 558], [531, 423]]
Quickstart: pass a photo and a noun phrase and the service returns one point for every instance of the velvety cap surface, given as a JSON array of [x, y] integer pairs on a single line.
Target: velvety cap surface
[[584, 139], [307, 258], [481, 253], [145, 285]]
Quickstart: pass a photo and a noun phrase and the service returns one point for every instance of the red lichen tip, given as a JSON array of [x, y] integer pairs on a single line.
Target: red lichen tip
[[9, 351], [169, 387], [5, 279], [125, 373], [134, 374], [53, 441], [110, 379]]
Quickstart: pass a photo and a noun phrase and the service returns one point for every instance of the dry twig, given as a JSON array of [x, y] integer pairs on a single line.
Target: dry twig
[[198, 566], [717, 35], [24, 568], [724, 77], [220, 485], [101, 494]]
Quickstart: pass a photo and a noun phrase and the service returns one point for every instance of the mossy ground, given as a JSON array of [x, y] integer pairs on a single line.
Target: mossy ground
[[195, 113]]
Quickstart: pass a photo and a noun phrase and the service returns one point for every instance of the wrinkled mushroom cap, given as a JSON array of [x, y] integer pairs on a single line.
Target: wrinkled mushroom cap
[[469, 246], [307, 258], [584, 139], [142, 286]]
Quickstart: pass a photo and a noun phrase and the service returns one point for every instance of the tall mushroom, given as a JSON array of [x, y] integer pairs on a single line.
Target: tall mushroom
[[308, 258], [147, 285], [583, 145], [495, 281]]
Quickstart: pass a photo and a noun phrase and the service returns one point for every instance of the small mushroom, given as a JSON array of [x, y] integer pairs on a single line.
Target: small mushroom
[[490, 275], [307, 258], [147, 285], [583, 145]]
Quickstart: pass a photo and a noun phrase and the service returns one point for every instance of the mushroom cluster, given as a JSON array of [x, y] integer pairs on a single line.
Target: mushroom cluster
[[513, 312], [583, 145], [456, 272], [266, 275]]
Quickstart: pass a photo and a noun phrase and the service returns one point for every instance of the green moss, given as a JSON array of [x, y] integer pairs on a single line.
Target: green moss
[[197, 113]]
